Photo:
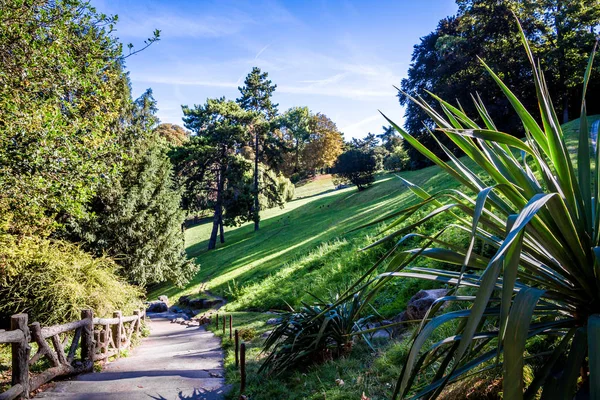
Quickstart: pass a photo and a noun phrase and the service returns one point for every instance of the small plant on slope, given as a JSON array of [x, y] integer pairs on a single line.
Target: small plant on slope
[[314, 334], [541, 215]]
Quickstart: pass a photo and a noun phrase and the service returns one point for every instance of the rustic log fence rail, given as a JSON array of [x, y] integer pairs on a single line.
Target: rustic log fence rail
[[96, 338]]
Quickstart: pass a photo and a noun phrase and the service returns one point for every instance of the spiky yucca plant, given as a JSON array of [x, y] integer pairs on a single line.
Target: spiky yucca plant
[[313, 334], [541, 215]]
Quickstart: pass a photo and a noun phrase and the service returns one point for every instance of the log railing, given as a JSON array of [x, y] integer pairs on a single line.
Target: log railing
[[96, 338]]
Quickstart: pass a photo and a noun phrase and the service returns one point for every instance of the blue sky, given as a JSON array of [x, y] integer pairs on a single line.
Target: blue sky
[[340, 58]]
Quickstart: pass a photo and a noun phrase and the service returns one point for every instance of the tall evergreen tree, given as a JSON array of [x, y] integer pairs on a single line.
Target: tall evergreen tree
[[135, 216], [256, 97], [206, 162]]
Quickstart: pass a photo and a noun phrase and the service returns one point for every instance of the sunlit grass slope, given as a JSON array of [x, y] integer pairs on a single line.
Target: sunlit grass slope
[[307, 246]]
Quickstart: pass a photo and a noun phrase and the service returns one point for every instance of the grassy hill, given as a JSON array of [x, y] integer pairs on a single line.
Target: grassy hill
[[307, 247], [303, 246]]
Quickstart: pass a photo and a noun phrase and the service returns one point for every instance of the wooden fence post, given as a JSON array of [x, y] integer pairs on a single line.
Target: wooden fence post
[[137, 321], [237, 349], [223, 326], [217, 321], [243, 368], [87, 339], [117, 329], [230, 326], [20, 354]]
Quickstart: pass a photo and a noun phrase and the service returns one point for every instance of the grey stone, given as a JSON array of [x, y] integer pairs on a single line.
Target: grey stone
[[419, 304], [212, 303], [196, 303], [273, 321], [157, 307], [164, 299], [184, 300]]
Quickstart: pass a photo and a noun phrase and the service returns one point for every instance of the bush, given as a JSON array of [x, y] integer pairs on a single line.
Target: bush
[[398, 160], [136, 219], [315, 334], [53, 281], [357, 167]]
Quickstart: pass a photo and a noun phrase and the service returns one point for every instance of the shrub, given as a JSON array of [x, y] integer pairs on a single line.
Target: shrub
[[315, 334], [53, 281], [541, 217], [136, 219], [398, 160], [357, 167]]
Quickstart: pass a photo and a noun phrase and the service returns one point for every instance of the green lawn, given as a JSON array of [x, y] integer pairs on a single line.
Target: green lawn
[[254, 269]]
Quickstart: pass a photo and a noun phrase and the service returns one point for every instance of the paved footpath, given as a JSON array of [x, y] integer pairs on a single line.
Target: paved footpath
[[174, 362]]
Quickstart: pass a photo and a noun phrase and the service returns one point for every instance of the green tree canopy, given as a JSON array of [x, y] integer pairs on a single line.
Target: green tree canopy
[[447, 63], [62, 92], [256, 97], [357, 167], [208, 160]]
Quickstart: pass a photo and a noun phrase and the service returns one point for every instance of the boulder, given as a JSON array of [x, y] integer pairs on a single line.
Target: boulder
[[184, 300], [419, 304], [196, 303], [164, 299], [212, 303], [273, 321], [157, 307]]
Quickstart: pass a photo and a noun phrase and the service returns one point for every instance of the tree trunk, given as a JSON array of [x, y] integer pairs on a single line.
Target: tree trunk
[[221, 233], [297, 161], [565, 109], [256, 207], [218, 217]]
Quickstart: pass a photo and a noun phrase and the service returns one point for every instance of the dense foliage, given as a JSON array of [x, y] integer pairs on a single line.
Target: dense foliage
[[446, 62], [79, 162], [173, 134], [314, 334], [312, 142], [538, 216], [53, 281], [137, 219], [62, 90], [357, 167]]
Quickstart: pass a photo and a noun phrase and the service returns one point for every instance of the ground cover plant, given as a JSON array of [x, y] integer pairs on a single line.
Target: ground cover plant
[[538, 210]]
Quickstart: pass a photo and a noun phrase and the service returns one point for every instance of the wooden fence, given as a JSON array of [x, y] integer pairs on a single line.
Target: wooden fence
[[97, 339]]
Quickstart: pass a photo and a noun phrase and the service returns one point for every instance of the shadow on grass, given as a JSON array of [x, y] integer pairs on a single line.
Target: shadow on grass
[[249, 257]]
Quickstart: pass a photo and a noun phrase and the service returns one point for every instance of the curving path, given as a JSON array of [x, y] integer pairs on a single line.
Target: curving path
[[174, 362]]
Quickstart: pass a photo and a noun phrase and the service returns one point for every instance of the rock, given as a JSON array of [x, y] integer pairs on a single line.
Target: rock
[[196, 303], [211, 303], [177, 320], [184, 300], [157, 307], [265, 334], [273, 321], [164, 299], [175, 310], [419, 304]]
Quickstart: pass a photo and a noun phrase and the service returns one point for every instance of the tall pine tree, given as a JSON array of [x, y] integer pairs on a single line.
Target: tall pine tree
[[256, 97], [208, 163]]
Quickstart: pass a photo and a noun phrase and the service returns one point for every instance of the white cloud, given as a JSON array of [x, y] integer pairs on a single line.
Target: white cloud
[[356, 129], [179, 26]]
